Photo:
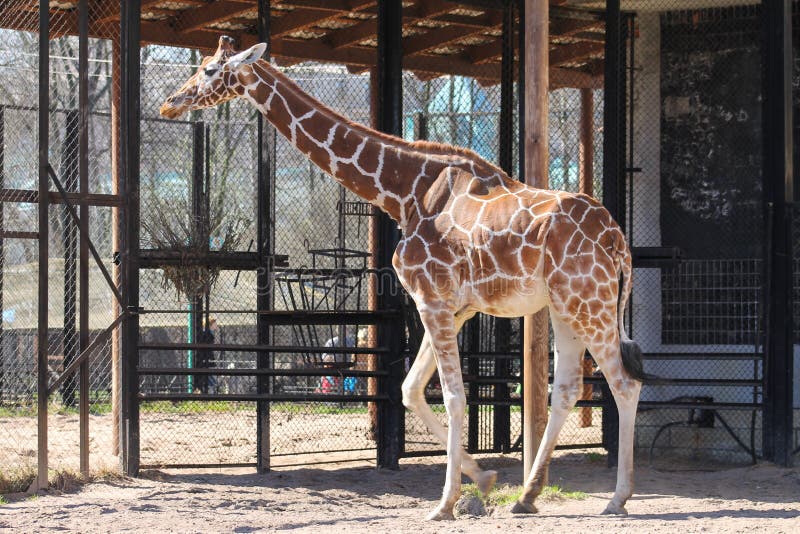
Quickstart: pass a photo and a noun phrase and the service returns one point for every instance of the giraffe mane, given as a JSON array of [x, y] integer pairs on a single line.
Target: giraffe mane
[[427, 147]]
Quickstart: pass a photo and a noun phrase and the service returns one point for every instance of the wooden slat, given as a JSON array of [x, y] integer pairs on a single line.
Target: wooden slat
[[300, 19], [575, 52], [437, 37], [213, 13], [558, 28]]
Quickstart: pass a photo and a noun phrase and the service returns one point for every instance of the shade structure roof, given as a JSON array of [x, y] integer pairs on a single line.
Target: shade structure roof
[[439, 37]]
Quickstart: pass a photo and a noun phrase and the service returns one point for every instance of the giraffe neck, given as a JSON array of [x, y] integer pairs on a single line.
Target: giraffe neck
[[384, 170]]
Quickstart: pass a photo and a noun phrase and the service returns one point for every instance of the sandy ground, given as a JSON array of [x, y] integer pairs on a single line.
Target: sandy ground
[[359, 498], [226, 437]]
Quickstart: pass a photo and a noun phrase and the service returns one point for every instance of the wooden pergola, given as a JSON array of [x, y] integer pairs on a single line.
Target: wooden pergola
[[439, 37]]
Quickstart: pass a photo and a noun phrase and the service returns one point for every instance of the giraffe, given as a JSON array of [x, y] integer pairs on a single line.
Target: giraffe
[[474, 240]]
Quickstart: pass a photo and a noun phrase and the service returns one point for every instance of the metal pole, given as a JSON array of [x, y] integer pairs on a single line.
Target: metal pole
[[131, 14], [200, 223], [265, 245], [69, 168], [586, 164], [391, 421], [83, 267], [778, 195], [535, 345], [612, 171], [502, 414], [116, 237], [2, 245], [44, 236]]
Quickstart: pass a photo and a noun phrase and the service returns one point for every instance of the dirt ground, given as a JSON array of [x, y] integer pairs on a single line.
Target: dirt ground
[[359, 498], [225, 437]]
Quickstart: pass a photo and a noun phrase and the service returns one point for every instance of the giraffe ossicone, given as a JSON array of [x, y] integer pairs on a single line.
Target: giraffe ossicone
[[474, 240]]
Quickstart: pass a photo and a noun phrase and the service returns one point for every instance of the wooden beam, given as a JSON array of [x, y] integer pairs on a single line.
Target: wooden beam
[[213, 13], [565, 54], [564, 27], [437, 37], [411, 14], [558, 28], [535, 345], [354, 34], [303, 18]]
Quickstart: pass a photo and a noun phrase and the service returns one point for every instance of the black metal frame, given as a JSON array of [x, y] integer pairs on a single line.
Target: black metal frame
[[130, 136], [779, 193]]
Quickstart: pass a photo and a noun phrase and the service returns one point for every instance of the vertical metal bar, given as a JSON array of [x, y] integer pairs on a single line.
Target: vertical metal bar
[[612, 153], [391, 418], [83, 268], [200, 225], [472, 341], [506, 149], [778, 194], [116, 237], [265, 245], [69, 169], [44, 237], [2, 244], [502, 413], [131, 14]]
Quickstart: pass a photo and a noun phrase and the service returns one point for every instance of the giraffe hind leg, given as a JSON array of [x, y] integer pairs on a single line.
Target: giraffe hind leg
[[567, 386]]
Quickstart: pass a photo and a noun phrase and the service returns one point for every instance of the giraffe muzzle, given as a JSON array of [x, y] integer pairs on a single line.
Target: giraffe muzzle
[[173, 107]]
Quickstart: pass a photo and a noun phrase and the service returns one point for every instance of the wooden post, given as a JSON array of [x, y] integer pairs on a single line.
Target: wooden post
[[586, 163], [535, 344], [116, 243]]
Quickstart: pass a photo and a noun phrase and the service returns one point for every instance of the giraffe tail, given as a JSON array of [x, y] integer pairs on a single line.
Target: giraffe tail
[[629, 349]]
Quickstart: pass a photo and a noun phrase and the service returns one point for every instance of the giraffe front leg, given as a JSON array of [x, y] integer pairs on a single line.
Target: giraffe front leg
[[414, 399], [440, 327]]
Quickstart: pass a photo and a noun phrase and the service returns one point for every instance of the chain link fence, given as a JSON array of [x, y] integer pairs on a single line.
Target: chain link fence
[[695, 212], [19, 249]]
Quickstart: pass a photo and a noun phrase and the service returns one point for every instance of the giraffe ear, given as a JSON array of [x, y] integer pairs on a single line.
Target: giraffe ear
[[251, 55]]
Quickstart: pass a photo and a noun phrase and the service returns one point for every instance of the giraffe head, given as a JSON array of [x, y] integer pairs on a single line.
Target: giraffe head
[[215, 82]]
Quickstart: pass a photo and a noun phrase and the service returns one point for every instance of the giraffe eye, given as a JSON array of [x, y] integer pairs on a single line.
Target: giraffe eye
[[211, 70]]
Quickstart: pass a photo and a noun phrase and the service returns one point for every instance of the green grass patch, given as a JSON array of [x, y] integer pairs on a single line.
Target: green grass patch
[[556, 492], [3, 500], [594, 457], [506, 495], [30, 409], [179, 407]]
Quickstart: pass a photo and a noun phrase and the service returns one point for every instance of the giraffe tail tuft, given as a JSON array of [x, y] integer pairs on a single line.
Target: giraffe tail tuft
[[630, 351], [632, 360]]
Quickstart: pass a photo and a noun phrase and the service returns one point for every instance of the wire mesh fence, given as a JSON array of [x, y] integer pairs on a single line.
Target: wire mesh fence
[[693, 212], [19, 170], [694, 200]]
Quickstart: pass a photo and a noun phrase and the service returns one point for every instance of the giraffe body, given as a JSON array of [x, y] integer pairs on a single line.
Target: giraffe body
[[474, 240]]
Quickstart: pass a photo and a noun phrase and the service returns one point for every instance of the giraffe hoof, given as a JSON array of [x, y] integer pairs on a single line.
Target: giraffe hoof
[[440, 515], [523, 508], [486, 481], [613, 509]]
